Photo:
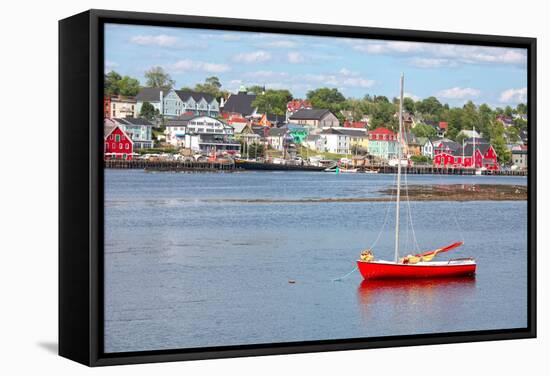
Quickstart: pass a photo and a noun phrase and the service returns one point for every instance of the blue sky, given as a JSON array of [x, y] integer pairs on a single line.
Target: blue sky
[[452, 73]]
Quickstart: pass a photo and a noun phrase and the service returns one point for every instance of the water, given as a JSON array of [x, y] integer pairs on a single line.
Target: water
[[187, 267]]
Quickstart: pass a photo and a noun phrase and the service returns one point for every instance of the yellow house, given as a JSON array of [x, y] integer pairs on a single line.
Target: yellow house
[[359, 139]]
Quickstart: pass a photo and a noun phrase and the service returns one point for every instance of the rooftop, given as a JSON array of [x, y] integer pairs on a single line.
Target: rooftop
[[309, 114]]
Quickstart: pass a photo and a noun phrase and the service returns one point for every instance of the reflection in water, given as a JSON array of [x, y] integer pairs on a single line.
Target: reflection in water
[[414, 300]]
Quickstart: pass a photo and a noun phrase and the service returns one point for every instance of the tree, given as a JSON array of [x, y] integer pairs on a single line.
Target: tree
[[255, 150], [409, 105], [211, 86], [383, 115], [148, 111], [498, 140], [157, 77], [110, 83], [256, 89], [325, 97], [115, 84], [424, 130], [521, 108], [273, 101], [128, 86], [431, 107]]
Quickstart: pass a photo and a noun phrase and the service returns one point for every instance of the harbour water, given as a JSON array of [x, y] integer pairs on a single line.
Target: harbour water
[[189, 263]]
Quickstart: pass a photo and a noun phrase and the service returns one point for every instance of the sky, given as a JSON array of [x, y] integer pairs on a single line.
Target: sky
[[452, 73]]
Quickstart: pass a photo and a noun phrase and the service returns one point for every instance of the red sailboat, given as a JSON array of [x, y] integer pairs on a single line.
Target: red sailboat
[[413, 265]]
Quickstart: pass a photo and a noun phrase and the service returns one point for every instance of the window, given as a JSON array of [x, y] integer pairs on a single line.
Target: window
[[120, 145], [127, 146], [117, 138], [113, 145]]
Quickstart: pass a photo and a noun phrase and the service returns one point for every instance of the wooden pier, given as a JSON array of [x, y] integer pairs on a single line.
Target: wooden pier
[[230, 166], [434, 170], [176, 166]]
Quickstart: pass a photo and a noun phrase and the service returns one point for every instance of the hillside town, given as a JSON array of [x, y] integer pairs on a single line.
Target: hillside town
[[256, 123]]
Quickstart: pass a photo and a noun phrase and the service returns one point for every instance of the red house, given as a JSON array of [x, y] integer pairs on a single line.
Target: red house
[[356, 124], [484, 156], [117, 144], [382, 134]]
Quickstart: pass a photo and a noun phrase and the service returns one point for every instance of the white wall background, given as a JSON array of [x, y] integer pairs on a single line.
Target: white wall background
[[28, 186]]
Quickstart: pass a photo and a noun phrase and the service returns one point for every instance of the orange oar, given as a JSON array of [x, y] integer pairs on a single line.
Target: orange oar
[[441, 250]]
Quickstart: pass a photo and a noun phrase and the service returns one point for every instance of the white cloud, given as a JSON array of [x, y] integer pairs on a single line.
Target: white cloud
[[281, 44], [433, 55], [295, 57], [161, 40], [187, 65], [420, 62], [347, 72], [266, 74], [388, 47], [514, 95], [357, 82], [458, 93], [344, 78], [230, 37], [252, 57], [412, 96]]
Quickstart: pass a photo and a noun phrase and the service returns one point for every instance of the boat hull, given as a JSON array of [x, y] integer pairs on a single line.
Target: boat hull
[[391, 270]]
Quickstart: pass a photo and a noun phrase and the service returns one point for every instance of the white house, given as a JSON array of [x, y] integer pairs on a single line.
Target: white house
[[201, 133], [428, 149], [336, 141], [314, 142], [275, 138]]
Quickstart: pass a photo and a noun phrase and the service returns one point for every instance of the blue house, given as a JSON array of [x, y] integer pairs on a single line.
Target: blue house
[[178, 102]]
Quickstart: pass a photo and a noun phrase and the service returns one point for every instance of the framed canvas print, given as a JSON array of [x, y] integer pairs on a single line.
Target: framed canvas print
[[235, 187]]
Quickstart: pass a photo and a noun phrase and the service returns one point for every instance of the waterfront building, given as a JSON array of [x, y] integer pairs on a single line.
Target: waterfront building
[[315, 118], [247, 135], [139, 130], [153, 95], [237, 122], [118, 106], [314, 142], [358, 139], [412, 144], [383, 143], [199, 133], [519, 157], [276, 137], [240, 104], [478, 155], [179, 102], [336, 141], [117, 144], [446, 146], [425, 146], [293, 133]]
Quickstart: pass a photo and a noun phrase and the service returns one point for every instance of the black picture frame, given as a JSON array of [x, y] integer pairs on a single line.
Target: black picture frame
[[81, 186]]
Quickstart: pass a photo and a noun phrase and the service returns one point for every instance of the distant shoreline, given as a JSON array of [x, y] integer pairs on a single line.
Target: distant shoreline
[[432, 192]]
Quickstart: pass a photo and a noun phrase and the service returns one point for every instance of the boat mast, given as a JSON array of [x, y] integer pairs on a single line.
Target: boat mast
[[474, 148], [398, 196]]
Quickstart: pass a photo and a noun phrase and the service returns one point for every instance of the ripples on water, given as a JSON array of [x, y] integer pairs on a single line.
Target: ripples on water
[[188, 266]]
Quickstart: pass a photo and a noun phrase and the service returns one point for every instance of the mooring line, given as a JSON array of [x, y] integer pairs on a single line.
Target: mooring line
[[344, 276]]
